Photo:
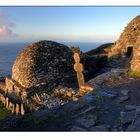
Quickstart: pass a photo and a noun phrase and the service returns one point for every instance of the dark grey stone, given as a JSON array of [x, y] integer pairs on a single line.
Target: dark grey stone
[[100, 128], [78, 129], [105, 93], [127, 117], [87, 123]]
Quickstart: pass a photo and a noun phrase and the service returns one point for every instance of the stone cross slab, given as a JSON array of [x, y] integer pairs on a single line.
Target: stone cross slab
[[78, 67]]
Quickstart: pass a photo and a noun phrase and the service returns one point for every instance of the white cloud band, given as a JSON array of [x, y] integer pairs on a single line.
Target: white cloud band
[[6, 26]]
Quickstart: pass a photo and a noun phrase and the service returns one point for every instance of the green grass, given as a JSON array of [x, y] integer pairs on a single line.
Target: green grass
[[4, 112], [134, 74], [113, 79]]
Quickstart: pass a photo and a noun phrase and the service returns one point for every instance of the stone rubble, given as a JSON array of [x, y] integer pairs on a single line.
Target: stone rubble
[[60, 96]]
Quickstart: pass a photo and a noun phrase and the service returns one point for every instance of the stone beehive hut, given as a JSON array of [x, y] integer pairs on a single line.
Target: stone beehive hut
[[128, 45], [44, 64]]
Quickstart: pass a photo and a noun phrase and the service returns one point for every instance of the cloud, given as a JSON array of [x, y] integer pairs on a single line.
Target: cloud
[[3, 15], [4, 31], [6, 26]]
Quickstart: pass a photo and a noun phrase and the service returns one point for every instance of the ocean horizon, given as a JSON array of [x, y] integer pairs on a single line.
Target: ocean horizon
[[9, 52]]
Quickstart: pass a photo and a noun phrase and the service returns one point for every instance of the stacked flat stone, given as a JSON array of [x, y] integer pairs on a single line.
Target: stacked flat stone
[[129, 37], [135, 62], [44, 64]]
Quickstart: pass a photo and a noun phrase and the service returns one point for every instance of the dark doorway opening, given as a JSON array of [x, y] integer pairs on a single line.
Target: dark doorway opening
[[129, 51]]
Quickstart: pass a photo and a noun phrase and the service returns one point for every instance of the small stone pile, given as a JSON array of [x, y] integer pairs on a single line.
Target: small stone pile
[[44, 101], [59, 96], [66, 93]]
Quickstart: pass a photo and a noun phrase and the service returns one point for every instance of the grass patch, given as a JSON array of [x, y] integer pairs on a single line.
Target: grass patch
[[134, 74], [113, 79], [4, 112]]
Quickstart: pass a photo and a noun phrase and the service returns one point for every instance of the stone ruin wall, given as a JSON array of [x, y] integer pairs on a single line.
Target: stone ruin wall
[[135, 62], [13, 97]]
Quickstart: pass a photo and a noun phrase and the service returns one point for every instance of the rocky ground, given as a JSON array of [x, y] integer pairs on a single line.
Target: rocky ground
[[112, 106]]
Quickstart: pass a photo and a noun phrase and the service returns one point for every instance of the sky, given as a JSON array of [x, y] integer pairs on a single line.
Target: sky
[[64, 24]]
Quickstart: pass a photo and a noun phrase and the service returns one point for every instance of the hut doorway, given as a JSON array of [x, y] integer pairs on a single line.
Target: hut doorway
[[129, 51]]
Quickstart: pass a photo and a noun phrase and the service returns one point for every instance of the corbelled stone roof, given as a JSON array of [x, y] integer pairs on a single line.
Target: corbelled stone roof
[[44, 63], [129, 37]]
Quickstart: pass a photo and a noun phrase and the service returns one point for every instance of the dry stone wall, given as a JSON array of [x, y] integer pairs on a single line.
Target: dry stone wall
[[135, 62], [128, 38], [44, 63]]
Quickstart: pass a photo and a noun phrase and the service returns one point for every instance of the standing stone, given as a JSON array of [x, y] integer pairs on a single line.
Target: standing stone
[[3, 100], [13, 108], [17, 109], [23, 95], [78, 67], [10, 106], [7, 102], [22, 110]]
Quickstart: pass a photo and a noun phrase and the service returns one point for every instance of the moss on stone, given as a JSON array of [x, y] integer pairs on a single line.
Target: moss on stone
[[4, 112], [134, 74]]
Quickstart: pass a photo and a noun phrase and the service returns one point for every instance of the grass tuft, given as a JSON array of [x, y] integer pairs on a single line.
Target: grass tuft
[[4, 112]]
